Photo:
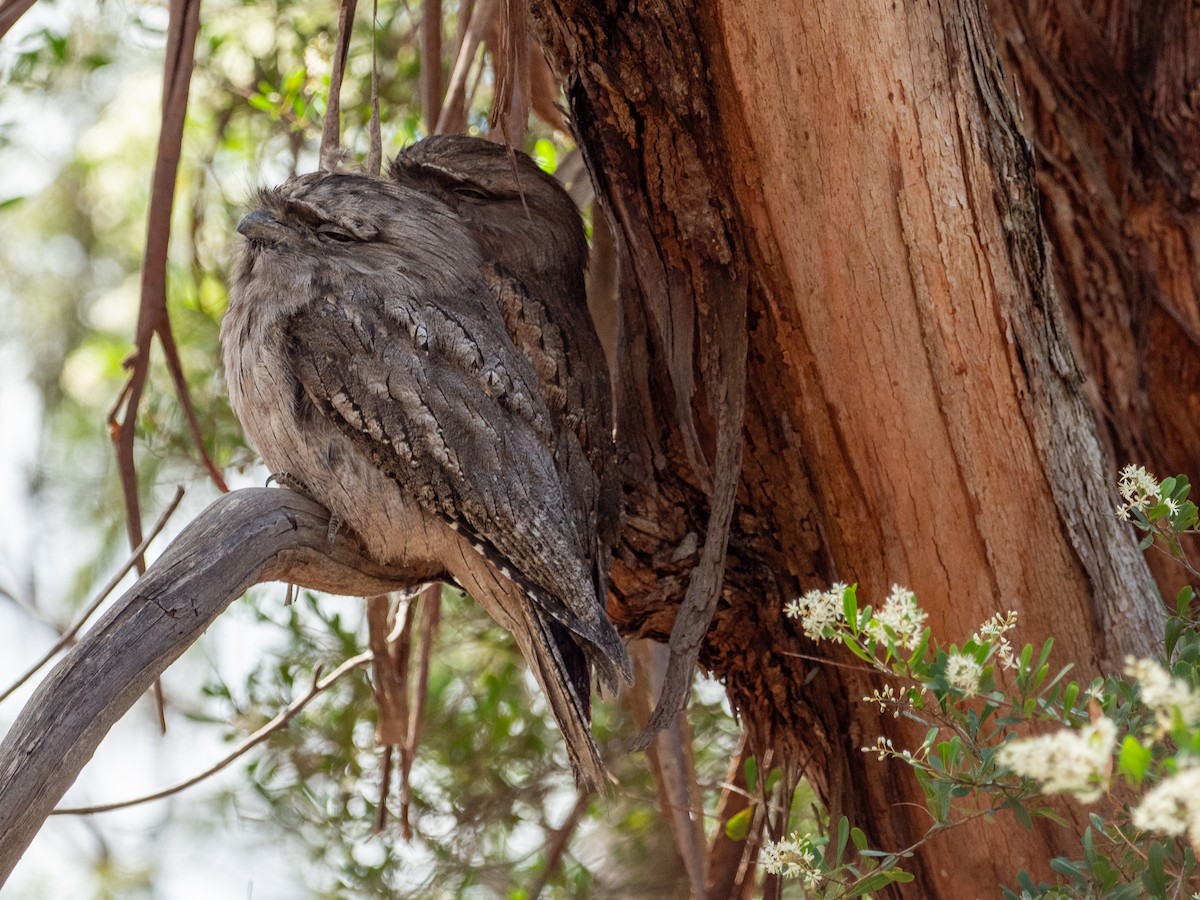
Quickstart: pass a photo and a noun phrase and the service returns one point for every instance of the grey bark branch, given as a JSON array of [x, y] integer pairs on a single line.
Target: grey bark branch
[[281, 721], [10, 11], [242, 539], [68, 634]]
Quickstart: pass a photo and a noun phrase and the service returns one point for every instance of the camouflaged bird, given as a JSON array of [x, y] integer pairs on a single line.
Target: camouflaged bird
[[535, 256], [369, 362]]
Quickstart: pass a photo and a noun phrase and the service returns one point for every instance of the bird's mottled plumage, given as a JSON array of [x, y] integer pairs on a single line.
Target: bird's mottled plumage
[[535, 256], [368, 359]]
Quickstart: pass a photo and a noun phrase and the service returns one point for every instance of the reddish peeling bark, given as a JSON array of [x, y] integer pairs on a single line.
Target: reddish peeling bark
[[856, 176], [1110, 101]]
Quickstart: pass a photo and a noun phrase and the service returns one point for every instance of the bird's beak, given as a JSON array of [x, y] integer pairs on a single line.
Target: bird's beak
[[258, 226]]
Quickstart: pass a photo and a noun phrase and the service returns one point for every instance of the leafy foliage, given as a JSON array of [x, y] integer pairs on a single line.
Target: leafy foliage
[[977, 705]]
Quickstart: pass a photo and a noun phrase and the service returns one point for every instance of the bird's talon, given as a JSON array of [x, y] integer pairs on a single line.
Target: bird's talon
[[290, 481]]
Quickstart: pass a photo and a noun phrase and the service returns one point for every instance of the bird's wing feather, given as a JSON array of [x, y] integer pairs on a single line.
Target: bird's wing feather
[[431, 389], [573, 378]]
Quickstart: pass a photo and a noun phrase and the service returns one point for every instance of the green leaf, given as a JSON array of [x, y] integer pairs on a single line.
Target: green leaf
[[843, 837], [1174, 630], [1070, 695], [948, 752], [921, 649], [1182, 487], [1155, 876], [873, 882], [930, 737], [1045, 654], [294, 80], [1134, 759], [1187, 517], [1183, 600], [1045, 812], [860, 839], [1060, 676], [858, 651], [1089, 846], [546, 155], [850, 607], [941, 800], [772, 779], [1021, 813], [751, 770], [738, 826], [1064, 866]]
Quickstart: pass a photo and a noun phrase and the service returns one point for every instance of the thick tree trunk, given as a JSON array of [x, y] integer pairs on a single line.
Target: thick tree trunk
[[1109, 92], [855, 175]]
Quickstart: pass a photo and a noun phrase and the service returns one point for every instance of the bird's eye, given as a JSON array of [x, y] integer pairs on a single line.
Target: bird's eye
[[471, 193], [337, 234]]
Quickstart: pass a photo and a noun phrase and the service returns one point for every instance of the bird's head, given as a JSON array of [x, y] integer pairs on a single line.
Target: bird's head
[[333, 229], [520, 215]]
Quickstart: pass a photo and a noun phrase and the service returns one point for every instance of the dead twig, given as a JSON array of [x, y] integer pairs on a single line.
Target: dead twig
[[671, 765], [331, 130], [510, 58], [454, 107], [431, 61], [556, 847], [375, 156], [429, 609], [281, 721], [10, 11], [183, 27], [69, 634]]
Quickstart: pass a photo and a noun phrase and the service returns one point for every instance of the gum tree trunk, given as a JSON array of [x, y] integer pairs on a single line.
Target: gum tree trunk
[[1110, 102], [849, 183]]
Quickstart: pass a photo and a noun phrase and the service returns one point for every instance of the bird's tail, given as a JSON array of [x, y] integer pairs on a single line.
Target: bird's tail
[[565, 674], [554, 655]]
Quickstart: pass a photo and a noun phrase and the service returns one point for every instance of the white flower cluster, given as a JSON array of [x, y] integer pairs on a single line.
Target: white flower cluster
[[887, 699], [1164, 693], [1066, 762], [1095, 690], [1173, 807], [791, 857], [901, 614], [883, 746], [1138, 488], [993, 631], [817, 610], [963, 674]]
